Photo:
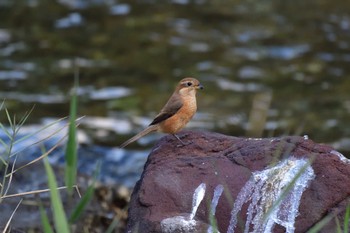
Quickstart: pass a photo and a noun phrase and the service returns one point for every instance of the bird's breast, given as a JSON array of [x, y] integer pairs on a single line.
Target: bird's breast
[[181, 118]]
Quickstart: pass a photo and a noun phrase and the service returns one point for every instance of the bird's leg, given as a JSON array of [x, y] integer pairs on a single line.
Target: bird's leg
[[183, 143]]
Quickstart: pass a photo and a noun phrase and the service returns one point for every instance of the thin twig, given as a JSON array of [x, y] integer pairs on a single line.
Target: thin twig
[[8, 151], [2, 104], [13, 213], [77, 190], [2, 160], [37, 132], [43, 155], [10, 180], [39, 158], [41, 129], [38, 191], [43, 139]]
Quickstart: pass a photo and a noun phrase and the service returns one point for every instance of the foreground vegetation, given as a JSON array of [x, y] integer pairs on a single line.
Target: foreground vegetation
[[61, 220]]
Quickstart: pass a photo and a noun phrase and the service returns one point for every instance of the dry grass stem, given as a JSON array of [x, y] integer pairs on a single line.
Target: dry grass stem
[[39, 191], [41, 140], [10, 179], [13, 213], [39, 158]]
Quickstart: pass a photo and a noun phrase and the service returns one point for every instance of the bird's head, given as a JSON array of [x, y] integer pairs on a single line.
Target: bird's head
[[189, 86]]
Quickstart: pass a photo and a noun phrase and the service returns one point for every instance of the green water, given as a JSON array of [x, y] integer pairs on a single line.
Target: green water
[[294, 53]]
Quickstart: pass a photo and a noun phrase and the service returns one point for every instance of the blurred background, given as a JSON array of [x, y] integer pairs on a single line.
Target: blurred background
[[270, 68]]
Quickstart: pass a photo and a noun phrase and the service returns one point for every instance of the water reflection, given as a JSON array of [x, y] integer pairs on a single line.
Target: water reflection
[[130, 54]]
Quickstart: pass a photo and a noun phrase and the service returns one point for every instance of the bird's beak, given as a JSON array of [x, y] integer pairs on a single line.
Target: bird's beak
[[200, 87]]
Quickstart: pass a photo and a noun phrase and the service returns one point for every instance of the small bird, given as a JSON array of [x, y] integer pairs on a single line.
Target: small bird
[[176, 113]]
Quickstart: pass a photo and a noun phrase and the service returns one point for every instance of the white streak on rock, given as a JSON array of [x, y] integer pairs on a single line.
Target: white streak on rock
[[341, 156], [217, 194], [198, 196], [214, 202], [266, 193], [185, 223], [178, 224]]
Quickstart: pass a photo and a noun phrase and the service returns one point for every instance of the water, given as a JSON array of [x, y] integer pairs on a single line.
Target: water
[[131, 54], [117, 166]]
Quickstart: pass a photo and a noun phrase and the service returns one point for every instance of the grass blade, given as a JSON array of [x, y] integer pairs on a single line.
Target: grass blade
[[3, 128], [71, 150], [316, 228], [13, 213], [86, 197], [338, 225], [112, 226], [39, 130], [4, 145], [40, 157], [346, 219], [45, 220], [35, 192], [287, 189], [9, 118], [60, 219], [24, 118], [10, 178], [41, 140]]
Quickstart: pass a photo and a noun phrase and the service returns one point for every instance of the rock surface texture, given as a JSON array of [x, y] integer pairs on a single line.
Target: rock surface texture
[[228, 182]]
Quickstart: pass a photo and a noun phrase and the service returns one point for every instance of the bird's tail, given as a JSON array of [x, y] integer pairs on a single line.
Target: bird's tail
[[144, 132]]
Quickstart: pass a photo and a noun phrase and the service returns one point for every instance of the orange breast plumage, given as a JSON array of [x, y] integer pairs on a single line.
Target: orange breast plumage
[[181, 118]]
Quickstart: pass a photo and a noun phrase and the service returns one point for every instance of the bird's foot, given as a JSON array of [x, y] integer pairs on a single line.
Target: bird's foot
[[182, 142]]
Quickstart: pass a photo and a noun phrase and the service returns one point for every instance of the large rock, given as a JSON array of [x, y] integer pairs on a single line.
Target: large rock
[[283, 184]]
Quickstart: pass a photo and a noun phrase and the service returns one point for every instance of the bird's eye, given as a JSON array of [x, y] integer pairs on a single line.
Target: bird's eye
[[189, 84]]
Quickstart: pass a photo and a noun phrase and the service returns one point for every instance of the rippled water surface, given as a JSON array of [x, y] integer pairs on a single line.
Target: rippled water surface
[[269, 68]]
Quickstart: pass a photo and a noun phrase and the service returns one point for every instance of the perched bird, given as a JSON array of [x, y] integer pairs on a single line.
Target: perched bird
[[176, 113]]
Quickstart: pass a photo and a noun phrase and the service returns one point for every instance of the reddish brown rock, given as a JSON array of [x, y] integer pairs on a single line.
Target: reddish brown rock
[[172, 174]]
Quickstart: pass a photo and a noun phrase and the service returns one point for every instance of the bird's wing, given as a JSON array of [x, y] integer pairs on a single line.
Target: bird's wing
[[171, 107]]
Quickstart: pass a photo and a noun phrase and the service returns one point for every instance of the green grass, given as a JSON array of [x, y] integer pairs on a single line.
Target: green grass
[[45, 222], [60, 219], [345, 227], [79, 209], [346, 219], [11, 134], [71, 149], [71, 157], [8, 157]]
